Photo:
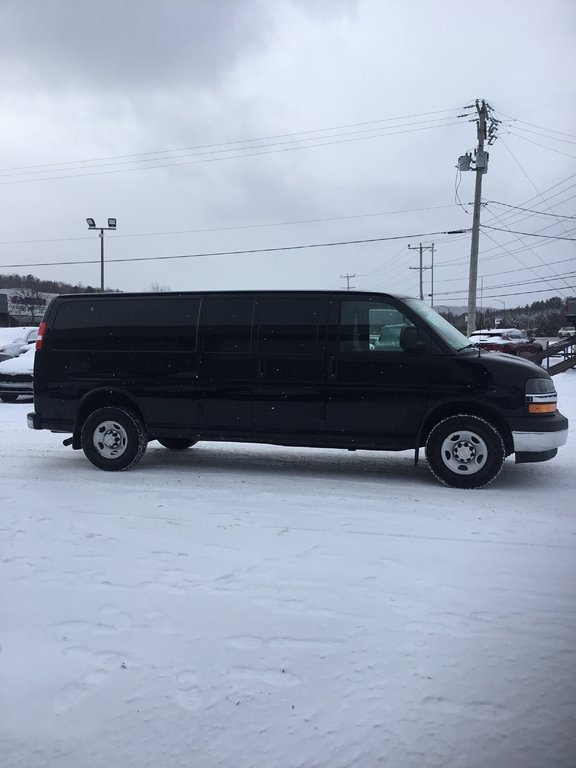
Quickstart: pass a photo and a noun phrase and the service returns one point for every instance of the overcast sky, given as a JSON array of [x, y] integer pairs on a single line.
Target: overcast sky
[[207, 126]]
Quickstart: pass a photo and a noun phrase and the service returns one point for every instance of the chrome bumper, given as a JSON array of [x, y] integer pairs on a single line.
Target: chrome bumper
[[537, 442]]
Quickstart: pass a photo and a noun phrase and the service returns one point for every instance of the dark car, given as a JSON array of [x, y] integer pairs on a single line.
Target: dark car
[[510, 340]]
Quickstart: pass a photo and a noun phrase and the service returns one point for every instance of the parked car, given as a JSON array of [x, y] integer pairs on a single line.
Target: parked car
[[16, 377], [567, 331], [510, 340], [14, 341], [300, 368]]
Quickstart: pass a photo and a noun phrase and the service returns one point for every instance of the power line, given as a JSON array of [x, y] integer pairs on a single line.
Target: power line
[[543, 196], [531, 210], [267, 151], [544, 135], [234, 228], [228, 143], [529, 247], [243, 252], [80, 165], [527, 234], [464, 260], [542, 128], [517, 284], [504, 295], [543, 146], [509, 271]]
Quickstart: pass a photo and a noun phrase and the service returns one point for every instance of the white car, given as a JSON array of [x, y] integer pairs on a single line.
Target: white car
[[14, 341], [17, 377]]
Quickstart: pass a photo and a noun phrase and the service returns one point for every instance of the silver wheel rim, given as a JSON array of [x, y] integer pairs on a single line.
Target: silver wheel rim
[[464, 452], [110, 439]]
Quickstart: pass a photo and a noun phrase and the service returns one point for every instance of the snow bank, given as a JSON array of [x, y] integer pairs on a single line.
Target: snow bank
[[263, 607]]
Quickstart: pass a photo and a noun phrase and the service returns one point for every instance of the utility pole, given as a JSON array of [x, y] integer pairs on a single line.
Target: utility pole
[[421, 248], [432, 276], [486, 127], [347, 278]]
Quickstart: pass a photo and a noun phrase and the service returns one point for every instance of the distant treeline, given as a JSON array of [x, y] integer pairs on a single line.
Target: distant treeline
[[43, 286], [543, 318]]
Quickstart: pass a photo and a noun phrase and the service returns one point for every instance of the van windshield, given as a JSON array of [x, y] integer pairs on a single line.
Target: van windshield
[[452, 336]]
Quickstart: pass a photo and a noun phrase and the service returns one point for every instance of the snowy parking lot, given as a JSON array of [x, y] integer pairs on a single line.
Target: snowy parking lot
[[263, 607]]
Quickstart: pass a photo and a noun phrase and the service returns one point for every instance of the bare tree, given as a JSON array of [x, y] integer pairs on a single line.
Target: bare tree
[[158, 288], [31, 301]]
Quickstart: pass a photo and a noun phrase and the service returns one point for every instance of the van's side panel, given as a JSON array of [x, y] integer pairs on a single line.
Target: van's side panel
[[290, 393], [227, 365], [144, 347]]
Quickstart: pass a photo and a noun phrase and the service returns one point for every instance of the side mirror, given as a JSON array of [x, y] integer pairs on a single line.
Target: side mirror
[[409, 340]]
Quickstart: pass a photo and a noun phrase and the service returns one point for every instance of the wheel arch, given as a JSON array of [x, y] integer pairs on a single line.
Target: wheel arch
[[101, 398], [468, 408]]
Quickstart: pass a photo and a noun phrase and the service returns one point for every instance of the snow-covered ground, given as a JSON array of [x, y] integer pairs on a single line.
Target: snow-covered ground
[[258, 607]]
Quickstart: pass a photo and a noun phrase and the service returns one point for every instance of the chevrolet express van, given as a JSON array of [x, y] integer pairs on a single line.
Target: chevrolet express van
[[350, 370]]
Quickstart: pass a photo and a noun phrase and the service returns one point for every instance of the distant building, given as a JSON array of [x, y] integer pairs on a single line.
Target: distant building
[[23, 306]]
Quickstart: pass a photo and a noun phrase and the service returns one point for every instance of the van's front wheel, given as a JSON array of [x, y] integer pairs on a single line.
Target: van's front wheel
[[113, 438], [465, 451]]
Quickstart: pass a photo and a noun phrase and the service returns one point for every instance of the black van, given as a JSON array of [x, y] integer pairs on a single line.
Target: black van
[[347, 370]]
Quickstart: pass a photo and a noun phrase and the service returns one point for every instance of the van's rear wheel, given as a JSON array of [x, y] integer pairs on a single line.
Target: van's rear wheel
[[8, 398], [113, 438], [465, 451], [176, 443]]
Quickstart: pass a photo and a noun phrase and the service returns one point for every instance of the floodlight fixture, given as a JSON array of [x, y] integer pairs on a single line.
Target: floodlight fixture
[[92, 225]]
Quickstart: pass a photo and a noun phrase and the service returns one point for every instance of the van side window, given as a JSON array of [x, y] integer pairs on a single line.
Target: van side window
[[139, 324], [370, 326], [227, 326], [288, 326]]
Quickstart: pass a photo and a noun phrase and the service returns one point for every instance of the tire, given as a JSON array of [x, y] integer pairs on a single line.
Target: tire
[[8, 398], [113, 438], [176, 443], [465, 451]]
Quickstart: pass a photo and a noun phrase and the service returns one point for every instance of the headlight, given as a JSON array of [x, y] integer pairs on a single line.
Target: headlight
[[541, 396]]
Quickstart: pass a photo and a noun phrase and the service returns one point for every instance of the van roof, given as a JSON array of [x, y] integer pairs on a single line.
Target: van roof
[[247, 291]]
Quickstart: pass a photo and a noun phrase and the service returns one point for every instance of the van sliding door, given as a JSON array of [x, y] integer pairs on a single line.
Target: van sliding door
[[289, 394]]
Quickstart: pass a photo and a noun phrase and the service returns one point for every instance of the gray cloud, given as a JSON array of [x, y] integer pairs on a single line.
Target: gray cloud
[[127, 44], [121, 77]]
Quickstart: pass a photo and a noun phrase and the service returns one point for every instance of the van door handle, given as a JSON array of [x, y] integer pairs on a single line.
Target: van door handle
[[332, 367]]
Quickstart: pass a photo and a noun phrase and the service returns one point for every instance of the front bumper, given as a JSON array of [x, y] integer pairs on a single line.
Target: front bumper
[[535, 442], [550, 435]]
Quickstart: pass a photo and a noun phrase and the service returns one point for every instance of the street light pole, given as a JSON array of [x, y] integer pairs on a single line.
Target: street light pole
[[111, 226], [501, 301]]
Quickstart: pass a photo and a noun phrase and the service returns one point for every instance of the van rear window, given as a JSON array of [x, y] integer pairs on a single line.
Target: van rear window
[[143, 324]]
